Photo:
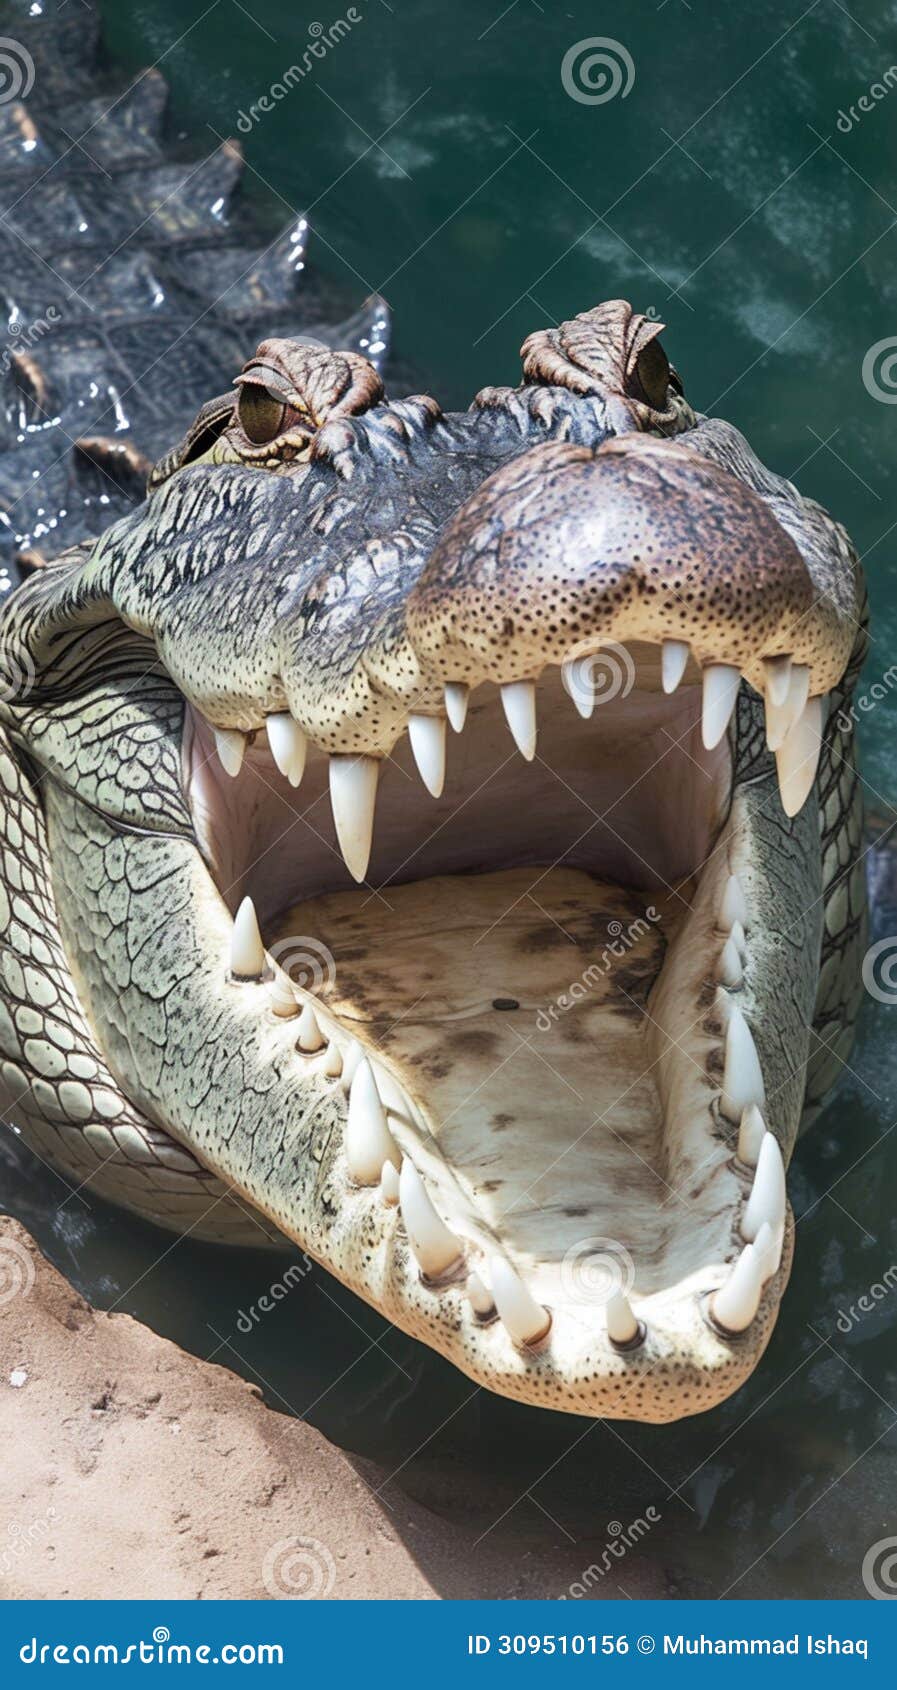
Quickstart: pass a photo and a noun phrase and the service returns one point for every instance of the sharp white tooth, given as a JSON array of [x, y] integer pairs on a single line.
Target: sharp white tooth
[[427, 736], [288, 745], [519, 701], [332, 1065], [734, 905], [389, 1184], [457, 697], [247, 953], [736, 1303], [674, 655], [353, 794], [369, 1142], [480, 1299], [730, 971], [622, 1326], [742, 1077], [751, 1133], [721, 683], [230, 744], [577, 681], [737, 936], [434, 1247], [767, 1199], [525, 1319], [779, 718], [352, 1055], [777, 675], [283, 998], [768, 1246], [797, 759], [308, 1034]]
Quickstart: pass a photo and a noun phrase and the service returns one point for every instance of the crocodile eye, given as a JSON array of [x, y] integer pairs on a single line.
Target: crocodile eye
[[651, 376], [261, 413]]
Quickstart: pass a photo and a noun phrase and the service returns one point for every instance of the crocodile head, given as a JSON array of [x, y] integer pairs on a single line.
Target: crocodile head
[[520, 1057]]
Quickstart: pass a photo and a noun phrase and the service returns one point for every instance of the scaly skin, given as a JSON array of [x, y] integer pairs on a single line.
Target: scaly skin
[[345, 568]]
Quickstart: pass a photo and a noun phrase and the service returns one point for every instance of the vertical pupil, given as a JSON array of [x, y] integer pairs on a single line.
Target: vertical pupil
[[260, 413]]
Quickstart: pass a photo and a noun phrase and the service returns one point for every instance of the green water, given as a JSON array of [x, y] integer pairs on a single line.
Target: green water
[[721, 194]]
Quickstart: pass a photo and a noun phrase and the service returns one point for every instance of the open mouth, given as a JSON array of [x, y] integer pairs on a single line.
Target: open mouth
[[515, 954]]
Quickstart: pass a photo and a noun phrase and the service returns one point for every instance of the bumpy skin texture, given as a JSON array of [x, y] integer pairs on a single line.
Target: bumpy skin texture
[[344, 564]]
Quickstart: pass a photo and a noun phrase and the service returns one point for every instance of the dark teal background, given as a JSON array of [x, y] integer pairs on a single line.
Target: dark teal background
[[721, 194]]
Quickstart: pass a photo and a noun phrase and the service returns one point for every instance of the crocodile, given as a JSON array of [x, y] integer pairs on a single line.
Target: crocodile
[[433, 838]]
